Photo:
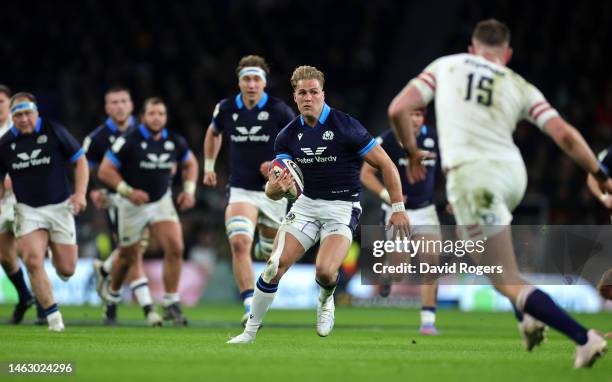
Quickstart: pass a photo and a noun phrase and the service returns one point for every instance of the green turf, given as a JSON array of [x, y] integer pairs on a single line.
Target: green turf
[[366, 345]]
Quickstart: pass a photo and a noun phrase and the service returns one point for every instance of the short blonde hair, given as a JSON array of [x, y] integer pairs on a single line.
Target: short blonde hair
[[305, 72]]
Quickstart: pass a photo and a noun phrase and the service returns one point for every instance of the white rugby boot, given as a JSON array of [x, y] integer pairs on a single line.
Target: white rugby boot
[[154, 319], [325, 316], [587, 354], [533, 332], [242, 338], [56, 323]]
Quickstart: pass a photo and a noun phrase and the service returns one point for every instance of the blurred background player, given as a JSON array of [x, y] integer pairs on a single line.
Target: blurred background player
[[605, 157], [419, 203], [8, 249], [140, 166], [478, 104], [330, 147], [119, 107], [35, 153], [251, 120]]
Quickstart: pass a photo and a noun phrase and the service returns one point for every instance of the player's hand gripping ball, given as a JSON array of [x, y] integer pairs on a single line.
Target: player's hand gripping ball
[[279, 165]]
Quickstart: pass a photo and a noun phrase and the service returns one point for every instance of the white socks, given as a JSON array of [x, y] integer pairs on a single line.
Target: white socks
[[140, 287]]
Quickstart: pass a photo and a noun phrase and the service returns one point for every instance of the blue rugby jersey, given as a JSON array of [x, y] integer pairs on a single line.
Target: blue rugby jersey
[[330, 154], [147, 164], [37, 162], [251, 134], [101, 139], [421, 194]]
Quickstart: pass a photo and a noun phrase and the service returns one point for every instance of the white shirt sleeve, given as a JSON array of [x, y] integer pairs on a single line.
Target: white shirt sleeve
[[536, 109], [426, 82]]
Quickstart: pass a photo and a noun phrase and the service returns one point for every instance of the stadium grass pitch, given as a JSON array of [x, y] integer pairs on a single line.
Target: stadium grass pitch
[[367, 344]]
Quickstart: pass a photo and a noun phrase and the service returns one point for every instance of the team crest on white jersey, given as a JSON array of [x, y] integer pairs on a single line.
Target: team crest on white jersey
[[328, 135], [263, 116], [169, 145], [235, 116], [300, 136], [41, 140]]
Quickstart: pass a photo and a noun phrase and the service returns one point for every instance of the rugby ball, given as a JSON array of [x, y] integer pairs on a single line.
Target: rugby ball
[[278, 165]]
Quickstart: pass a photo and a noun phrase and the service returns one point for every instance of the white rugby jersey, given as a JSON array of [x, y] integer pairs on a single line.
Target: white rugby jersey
[[478, 104]]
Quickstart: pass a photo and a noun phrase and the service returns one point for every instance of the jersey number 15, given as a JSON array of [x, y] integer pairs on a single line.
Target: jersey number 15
[[483, 90]]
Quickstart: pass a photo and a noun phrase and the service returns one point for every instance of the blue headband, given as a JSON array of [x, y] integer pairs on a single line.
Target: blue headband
[[252, 70], [24, 106]]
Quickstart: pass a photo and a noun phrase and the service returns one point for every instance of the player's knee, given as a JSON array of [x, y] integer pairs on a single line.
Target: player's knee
[[326, 275], [66, 270], [241, 245], [33, 261], [128, 255], [174, 248]]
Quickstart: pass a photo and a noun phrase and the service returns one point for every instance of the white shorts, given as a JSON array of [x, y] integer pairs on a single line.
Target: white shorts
[[56, 219], [271, 212], [7, 212], [423, 221], [133, 219], [484, 194], [311, 220]]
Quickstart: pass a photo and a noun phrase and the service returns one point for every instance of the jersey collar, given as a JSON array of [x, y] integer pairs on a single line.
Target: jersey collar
[[322, 118], [262, 102], [147, 135], [36, 128], [113, 126]]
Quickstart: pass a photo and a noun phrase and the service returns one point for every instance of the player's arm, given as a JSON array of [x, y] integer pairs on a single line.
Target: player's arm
[[574, 145], [378, 158], [74, 153], [212, 145], [5, 185], [186, 198], [372, 183], [81, 179], [108, 172], [406, 102], [94, 154]]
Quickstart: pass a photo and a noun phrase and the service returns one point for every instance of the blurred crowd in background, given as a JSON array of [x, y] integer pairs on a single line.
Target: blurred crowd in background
[[69, 53]]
